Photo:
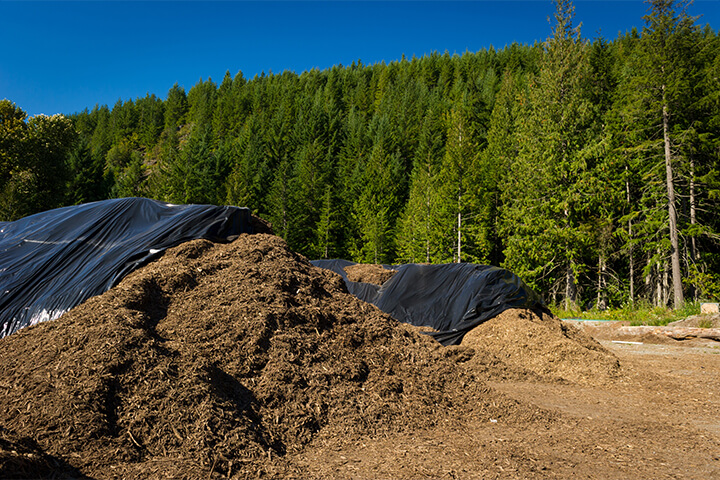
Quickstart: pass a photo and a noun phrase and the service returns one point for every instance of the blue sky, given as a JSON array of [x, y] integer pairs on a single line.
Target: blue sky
[[62, 57]]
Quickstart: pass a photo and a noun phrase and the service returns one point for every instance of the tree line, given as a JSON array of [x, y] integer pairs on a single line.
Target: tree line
[[589, 168]]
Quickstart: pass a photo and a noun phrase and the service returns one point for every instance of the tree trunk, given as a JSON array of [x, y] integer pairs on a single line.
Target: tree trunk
[[648, 292], [459, 232], [665, 284], [630, 247], [693, 220], [427, 227], [570, 288], [693, 210], [377, 240], [672, 212], [602, 283]]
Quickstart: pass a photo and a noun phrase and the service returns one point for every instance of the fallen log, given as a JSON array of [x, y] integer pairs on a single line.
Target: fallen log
[[678, 333]]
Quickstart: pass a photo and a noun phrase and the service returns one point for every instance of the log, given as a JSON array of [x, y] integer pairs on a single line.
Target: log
[[678, 333]]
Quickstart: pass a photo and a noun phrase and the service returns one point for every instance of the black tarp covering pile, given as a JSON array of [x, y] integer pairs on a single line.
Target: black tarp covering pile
[[451, 298], [55, 260]]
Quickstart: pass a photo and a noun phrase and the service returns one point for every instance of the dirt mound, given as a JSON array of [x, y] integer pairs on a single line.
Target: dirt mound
[[218, 360], [369, 273], [520, 343]]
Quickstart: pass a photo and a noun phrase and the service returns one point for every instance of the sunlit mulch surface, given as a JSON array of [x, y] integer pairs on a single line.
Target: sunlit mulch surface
[[218, 360]]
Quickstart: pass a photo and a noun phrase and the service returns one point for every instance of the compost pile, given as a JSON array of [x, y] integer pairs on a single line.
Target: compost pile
[[369, 273], [219, 360], [522, 344]]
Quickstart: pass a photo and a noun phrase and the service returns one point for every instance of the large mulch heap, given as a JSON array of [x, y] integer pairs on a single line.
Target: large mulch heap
[[218, 360], [369, 273]]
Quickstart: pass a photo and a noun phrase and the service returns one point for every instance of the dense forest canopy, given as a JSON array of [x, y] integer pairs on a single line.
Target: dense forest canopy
[[589, 168]]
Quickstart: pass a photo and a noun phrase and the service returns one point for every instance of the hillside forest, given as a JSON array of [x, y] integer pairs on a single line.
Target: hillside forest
[[588, 167]]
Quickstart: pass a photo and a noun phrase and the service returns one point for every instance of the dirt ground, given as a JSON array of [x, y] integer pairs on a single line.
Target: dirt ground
[[660, 418], [244, 361]]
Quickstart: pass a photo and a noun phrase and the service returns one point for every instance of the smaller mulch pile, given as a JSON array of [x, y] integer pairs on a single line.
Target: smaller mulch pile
[[523, 343], [369, 273]]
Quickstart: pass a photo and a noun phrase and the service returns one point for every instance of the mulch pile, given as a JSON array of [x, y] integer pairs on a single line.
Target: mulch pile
[[522, 343], [369, 273], [217, 360]]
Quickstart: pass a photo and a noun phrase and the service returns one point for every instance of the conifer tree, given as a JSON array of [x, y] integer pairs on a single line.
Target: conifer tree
[[456, 174], [102, 138], [151, 121], [420, 234], [543, 222], [377, 207], [658, 98], [496, 159], [124, 120], [243, 182], [176, 107], [131, 180], [279, 200], [326, 236], [87, 181], [349, 173], [201, 103]]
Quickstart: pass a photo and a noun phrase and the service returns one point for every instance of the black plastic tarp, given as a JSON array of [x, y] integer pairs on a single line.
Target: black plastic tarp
[[451, 298], [364, 291], [55, 260]]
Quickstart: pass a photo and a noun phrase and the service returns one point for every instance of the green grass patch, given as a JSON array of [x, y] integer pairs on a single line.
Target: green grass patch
[[637, 314], [705, 323]]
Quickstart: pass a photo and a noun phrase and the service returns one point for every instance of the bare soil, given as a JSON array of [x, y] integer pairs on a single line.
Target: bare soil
[[244, 361]]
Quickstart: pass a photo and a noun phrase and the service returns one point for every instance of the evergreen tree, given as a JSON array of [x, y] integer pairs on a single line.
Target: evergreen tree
[[280, 200], [327, 243], [87, 182], [658, 98], [201, 104], [223, 114], [192, 175], [244, 180], [457, 188], [497, 157], [542, 218], [352, 158], [102, 137], [151, 120], [123, 120], [176, 107], [420, 230], [131, 179], [376, 209]]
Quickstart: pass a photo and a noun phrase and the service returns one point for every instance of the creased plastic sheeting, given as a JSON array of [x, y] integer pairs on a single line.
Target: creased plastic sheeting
[[55, 260], [364, 291], [451, 298]]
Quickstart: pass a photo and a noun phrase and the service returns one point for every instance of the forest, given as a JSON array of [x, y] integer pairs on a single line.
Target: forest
[[587, 167]]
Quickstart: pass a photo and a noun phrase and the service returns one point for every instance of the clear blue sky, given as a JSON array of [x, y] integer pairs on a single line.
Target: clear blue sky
[[63, 57]]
